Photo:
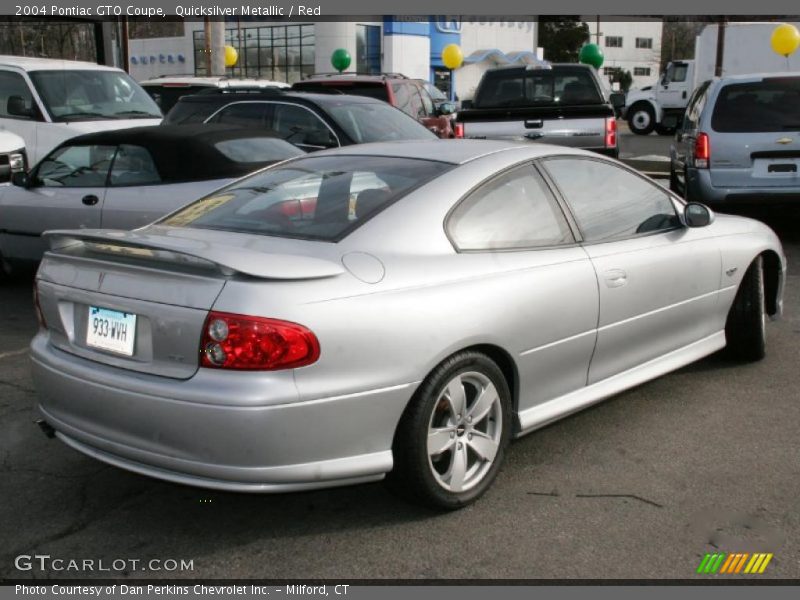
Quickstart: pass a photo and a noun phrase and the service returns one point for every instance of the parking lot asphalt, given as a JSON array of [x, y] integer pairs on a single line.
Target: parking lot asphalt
[[702, 460]]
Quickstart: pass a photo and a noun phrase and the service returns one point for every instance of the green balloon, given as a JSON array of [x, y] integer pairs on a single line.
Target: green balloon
[[591, 55], [340, 59]]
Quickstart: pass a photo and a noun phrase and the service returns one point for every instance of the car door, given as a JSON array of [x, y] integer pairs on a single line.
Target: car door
[[136, 194], [658, 280], [66, 191], [513, 225], [14, 87]]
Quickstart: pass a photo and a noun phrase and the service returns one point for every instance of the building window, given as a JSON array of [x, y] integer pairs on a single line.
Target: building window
[[646, 43], [613, 41], [641, 71], [612, 71], [368, 49], [279, 53]]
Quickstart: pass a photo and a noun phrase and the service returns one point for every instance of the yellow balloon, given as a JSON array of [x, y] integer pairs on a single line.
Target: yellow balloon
[[785, 39], [452, 57], [231, 56]]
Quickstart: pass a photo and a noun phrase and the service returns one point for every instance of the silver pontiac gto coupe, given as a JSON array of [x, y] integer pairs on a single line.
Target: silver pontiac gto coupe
[[399, 309]]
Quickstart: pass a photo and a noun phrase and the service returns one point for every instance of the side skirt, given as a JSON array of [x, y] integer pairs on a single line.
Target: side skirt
[[543, 414]]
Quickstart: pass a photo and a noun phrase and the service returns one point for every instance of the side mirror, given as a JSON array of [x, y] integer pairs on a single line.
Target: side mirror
[[16, 107], [317, 137], [21, 179], [446, 108], [697, 215], [617, 100]]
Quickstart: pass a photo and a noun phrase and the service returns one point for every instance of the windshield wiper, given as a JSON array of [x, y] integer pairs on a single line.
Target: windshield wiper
[[143, 113], [82, 114], [791, 126]]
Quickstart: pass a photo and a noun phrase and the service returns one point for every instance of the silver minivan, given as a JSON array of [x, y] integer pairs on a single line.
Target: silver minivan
[[739, 142]]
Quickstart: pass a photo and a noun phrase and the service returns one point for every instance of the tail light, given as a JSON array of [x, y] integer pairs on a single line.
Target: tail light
[[255, 343], [702, 151], [38, 308], [611, 132], [458, 130]]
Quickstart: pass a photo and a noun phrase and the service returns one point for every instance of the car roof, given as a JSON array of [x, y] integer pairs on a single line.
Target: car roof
[[373, 77], [28, 63], [221, 82], [230, 95], [177, 150], [747, 77], [454, 151]]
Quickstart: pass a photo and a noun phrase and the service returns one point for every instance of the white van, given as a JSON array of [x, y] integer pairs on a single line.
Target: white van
[[47, 101], [12, 155]]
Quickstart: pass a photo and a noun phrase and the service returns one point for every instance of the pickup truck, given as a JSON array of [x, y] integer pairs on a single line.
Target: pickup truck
[[563, 104]]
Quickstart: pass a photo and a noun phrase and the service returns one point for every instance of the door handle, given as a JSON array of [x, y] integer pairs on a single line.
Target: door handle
[[90, 200], [616, 278], [533, 123]]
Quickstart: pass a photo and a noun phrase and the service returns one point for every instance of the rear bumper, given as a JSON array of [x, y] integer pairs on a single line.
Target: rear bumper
[[157, 427], [700, 188]]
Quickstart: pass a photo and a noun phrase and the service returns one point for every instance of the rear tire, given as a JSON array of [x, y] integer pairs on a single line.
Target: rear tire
[[641, 118], [452, 437], [745, 329]]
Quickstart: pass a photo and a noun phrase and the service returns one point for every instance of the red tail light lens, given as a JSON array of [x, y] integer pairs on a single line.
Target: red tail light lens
[[702, 151], [255, 343], [458, 130], [38, 308], [611, 132]]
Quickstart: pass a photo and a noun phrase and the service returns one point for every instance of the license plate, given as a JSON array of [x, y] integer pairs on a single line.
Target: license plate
[[111, 330]]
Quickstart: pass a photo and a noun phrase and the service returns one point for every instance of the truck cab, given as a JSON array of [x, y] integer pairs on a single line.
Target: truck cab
[[47, 101], [660, 106]]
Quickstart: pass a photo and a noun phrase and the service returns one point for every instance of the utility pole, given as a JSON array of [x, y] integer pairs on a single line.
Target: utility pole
[[720, 46], [597, 33], [207, 44], [217, 48]]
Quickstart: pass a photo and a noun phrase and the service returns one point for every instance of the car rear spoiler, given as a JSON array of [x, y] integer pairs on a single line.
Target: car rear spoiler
[[192, 252]]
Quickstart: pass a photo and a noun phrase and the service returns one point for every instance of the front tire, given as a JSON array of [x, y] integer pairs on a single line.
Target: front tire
[[642, 119], [745, 329], [452, 437]]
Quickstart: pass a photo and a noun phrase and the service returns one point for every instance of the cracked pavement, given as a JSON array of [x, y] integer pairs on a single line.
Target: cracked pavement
[[640, 486]]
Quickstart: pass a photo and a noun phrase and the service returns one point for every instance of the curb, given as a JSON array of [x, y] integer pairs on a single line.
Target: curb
[[658, 168]]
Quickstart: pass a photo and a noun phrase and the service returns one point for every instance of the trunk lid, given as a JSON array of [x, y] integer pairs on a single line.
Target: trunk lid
[[138, 300]]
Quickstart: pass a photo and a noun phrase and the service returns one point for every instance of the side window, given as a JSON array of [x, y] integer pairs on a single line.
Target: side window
[[427, 103], [610, 202], [251, 114], [76, 166], [696, 104], [415, 105], [402, 98], [13, 85], [300, 126], [133, 165], [514, 210]]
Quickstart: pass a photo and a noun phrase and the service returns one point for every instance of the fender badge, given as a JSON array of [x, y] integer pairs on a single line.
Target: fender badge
[[784, 140]]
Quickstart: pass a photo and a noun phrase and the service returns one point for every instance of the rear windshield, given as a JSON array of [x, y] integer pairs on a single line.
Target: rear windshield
[[377, 122], [319, 198], [371, 90], [770, 105], [540, 87]]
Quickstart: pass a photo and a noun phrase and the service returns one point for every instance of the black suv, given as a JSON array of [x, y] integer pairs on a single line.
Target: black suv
[[309, 121]]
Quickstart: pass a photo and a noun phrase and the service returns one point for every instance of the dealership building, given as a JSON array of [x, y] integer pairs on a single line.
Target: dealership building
[[283, 51]]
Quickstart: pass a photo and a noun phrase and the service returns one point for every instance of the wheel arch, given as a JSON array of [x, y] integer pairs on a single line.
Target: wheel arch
[[772, 281]]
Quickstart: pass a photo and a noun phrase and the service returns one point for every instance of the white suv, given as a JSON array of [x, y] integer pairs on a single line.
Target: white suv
[[47, 101]]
